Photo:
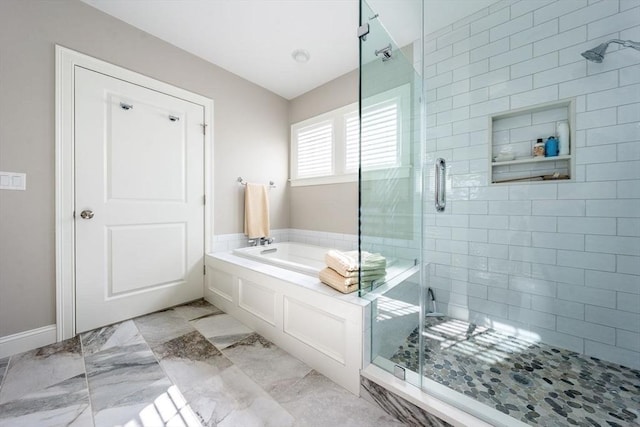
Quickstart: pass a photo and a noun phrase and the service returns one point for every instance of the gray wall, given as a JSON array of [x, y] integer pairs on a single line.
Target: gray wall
[[332, 208], [250, 131]]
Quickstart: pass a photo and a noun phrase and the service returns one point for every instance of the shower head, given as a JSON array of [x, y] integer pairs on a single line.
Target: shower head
[[597, 53]]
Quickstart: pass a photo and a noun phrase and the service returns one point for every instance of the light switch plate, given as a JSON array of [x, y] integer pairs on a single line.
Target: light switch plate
[[13, 181]]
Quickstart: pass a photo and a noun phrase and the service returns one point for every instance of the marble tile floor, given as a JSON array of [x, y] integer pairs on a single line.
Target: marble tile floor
[[191, 365], [533, 382]]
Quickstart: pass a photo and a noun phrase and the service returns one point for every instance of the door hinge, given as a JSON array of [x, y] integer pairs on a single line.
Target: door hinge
[[204, 199], [204, 128], [74, 214], [204, 270], [363, 30]]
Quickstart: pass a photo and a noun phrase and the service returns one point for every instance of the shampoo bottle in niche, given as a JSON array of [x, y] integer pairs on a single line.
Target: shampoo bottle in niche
[[551, 147], [562, 130], [538, 148]]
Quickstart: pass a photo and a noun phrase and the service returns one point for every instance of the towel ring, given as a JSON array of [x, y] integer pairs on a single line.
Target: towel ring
[[243, 182]]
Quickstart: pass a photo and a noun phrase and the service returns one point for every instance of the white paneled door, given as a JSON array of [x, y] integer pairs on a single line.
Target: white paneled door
[[139, 201]]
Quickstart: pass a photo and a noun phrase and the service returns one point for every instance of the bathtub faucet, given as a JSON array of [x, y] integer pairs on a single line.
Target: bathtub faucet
[[266, 241], [260, 241]]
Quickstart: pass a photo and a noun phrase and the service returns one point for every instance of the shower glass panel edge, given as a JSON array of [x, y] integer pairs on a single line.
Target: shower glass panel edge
[[390, 191]]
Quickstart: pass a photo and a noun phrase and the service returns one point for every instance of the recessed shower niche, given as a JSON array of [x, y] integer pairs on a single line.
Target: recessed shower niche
[[512, 135]]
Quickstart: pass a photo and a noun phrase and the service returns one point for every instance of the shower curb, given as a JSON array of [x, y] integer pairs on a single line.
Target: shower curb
[[397, 406]]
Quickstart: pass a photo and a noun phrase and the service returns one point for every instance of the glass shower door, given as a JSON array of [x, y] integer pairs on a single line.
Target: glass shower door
[[390, 189], [531, 270]]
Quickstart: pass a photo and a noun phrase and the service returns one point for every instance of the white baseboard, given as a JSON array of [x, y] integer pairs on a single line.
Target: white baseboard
[[27, 340]]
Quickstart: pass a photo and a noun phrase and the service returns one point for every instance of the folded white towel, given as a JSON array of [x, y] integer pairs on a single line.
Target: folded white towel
[[256, 211], [343, 284], [346, 263], [366, 274]]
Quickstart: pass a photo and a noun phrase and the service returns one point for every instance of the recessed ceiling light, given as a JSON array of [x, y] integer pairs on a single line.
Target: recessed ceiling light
[[300, 55]]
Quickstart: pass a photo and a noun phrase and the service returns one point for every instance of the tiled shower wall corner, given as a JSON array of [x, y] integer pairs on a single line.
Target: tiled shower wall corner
[[559, 261]]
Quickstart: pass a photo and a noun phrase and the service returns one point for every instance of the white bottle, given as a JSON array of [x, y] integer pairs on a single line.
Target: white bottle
[[562, 131]]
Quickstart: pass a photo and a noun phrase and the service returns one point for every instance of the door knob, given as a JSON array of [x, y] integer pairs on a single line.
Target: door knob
[[86, 214]]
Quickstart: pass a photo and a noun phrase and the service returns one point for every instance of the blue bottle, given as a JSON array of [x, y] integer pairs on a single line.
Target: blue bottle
[[551, 147]]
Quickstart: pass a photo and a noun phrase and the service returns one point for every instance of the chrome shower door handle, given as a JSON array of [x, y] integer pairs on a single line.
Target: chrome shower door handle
[[441, 187]]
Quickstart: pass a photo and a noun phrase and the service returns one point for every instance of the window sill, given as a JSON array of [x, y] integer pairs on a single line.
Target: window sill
[[387, 173], [324, 180]]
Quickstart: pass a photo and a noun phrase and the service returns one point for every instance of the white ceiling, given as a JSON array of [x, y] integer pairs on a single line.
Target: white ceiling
[[255, 38]]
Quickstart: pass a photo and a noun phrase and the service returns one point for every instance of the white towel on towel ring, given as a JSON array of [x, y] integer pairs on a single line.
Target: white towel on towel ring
[[256, 211]]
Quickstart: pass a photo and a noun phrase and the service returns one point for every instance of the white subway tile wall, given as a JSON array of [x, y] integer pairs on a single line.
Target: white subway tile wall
[[559, 260]]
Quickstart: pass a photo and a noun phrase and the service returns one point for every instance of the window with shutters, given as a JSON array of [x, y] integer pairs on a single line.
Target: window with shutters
[[325, 149], [314, 150], [380, 137]]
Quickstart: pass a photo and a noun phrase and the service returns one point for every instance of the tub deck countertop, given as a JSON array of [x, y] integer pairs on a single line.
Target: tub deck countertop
[[396, 273]]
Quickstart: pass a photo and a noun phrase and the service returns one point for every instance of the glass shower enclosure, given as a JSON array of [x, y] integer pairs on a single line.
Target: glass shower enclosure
[[390, 185], [512, 289]]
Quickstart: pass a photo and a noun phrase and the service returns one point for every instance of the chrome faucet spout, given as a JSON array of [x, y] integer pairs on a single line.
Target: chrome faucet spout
[[266, 241]]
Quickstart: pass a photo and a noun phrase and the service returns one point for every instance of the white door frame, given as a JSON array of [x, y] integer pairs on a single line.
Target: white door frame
[[66, 61]]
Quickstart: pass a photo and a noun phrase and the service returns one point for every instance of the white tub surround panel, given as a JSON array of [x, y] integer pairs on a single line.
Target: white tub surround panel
[[316, 324]]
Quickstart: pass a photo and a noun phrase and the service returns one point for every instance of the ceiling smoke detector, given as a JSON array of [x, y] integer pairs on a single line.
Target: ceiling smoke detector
[[300, 55]]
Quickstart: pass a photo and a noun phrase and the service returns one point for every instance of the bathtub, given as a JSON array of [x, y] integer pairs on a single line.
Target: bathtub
[[306, 259], [275, 291], [277, 294]]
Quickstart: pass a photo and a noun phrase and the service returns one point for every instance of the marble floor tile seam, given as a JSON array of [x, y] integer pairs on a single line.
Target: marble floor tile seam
[[266, 364], [4, 374], [3, 371], [283, 401], [86, 381], [46, 387], [156, 344], [169, 360], [107, 362], [174, 380]]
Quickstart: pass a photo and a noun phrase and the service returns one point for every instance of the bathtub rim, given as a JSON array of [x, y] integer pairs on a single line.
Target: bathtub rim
[[247, 252], [291, 276]]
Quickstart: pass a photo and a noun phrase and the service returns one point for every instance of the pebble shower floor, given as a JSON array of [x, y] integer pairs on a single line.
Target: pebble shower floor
[[532, 382]]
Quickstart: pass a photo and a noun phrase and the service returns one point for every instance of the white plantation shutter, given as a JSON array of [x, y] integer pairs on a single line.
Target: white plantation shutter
[[379, 137], [314, 150], [352, 137]]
